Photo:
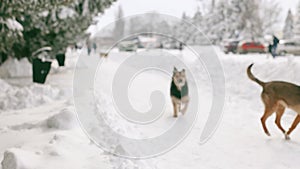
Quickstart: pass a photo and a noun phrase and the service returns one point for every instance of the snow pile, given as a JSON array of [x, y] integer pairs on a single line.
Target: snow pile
[[13, 67], [65, 119], [72, 56], [29, 96], [4, 86], [17, 159]]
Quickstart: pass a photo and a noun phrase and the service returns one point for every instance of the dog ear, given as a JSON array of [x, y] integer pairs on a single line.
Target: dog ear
[[175, 70]]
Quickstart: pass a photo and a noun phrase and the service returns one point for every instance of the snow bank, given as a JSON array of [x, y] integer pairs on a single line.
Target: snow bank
[[4, 86], [13, 98], [65, 119], [17, 159], [283, 69], [15, 68], [115, 122]]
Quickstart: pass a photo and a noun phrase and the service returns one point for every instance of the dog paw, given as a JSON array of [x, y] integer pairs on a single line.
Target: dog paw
[[175, 116], [287, 137]]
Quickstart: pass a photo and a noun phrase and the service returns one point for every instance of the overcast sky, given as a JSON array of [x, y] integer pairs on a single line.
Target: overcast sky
[[173, 7]]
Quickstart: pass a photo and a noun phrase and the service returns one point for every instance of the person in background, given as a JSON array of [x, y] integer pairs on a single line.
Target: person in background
[[161, 45], [274, 46], [180, 46], [270, 47], [89, 49], [94, 47]]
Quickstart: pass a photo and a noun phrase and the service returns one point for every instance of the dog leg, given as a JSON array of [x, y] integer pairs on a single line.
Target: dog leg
[[279, 113], [294, 125], [263, 119], [175, 109], [184, 108], [185, 101], [269, 110], [176, 106]]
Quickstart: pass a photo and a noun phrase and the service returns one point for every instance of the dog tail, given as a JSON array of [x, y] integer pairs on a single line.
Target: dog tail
[[252, 77]]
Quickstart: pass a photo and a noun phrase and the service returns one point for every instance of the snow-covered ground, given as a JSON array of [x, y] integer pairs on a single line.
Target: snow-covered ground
[[39, 129]]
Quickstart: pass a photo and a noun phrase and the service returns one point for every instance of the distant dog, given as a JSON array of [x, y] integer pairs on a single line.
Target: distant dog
[[276, 96], [103, 55], [179, 91]]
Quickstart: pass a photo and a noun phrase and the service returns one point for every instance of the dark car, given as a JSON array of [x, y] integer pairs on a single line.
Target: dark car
[[230, 46]]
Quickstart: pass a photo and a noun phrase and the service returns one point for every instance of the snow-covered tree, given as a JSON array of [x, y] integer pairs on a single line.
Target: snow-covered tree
[[251, 22], [213, 4], [269, 12], [197, 36], [215, 22], [164, 27], [119, 25], [55, 23], [143, 23], [197, 18], [297, 23], [288, 26], [183, 31], [234, 21], [150, 22], [11, 29], [241, 19]]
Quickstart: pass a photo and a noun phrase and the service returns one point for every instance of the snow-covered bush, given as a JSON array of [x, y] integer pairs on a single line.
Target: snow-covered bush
[[65, 119], [13, 67]]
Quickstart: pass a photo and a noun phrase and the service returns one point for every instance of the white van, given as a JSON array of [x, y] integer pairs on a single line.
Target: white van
[[288, 47]]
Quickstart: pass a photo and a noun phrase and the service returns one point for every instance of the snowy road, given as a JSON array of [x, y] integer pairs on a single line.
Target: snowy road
[[48, 136]]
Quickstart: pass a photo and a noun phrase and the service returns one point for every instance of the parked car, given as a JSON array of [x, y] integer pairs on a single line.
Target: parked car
[[127, 46], [288, 47], [251, 47], [230, 46]]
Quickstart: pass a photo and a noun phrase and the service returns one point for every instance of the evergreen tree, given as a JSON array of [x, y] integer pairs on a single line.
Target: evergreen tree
[[149, 22], [164, 27], [233, 22], [250, 20], [269, 12], [183, 32], [215, 22], [241, 19], [11, 29], [56, 24], [119, 24], [213, 4], [297, 23], [289, 25], [197, 20]]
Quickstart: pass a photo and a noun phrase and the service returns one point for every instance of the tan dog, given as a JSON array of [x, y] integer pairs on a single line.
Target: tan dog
[[276, 96], [179, 91], [103, 55]]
